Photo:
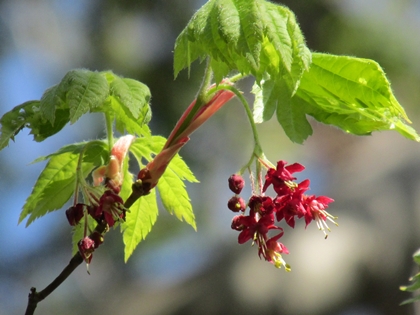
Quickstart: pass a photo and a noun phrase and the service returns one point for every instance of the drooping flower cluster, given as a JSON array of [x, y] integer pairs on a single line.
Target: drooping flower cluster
[[103, 202], [290, 203]]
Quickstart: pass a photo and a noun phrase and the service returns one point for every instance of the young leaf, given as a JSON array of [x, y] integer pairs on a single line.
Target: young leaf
[[352, 94], [84, 90], [175, 197], [139, 221], [252, 36], [127, 104], [15, 120], [56, 183], [52, 99], [124, 120], [80, 91], [95, 149], [41, 128], [132, 95], [271, 96]]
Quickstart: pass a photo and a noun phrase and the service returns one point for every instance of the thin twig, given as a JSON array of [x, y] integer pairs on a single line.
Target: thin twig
[[35, 297]]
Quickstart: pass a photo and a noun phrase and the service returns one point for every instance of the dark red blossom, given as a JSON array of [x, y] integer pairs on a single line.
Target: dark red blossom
[[281, 177], [236, 204], [254, 228], [75, 213], [110, 208], [261, 205], [292, 205], [315, 210], [272, 251], [236, 183]]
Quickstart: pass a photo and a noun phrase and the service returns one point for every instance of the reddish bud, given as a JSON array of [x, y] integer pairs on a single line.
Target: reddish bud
[[236, 183], [236, 204], [237, 223], [75, 214], [86, 248]]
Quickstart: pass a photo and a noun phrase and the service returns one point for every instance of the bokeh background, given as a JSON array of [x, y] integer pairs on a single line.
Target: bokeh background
[[375, 180]]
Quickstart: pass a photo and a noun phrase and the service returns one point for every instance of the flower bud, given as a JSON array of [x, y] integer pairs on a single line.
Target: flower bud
[[236, 183], [75, 214], [237, 223], [236, 204], [86, 248]]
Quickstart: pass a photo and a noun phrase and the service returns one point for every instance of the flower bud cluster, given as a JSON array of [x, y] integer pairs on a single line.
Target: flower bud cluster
[[109, 208], [289, 204], [102, 200]]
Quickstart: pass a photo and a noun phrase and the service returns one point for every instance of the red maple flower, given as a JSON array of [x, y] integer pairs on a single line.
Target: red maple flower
[[291, 205], [110, 208], [254, 227], [281, 178], [315, 210], [75, 213], [272, 250]]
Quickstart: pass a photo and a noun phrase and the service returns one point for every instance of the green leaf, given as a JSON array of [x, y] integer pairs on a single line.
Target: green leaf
[[352, 94], [253, 37], [127, 104], [52, 99], [84, 90], [124, 120], [56, 183], [15, 120], [41, 128], [171, 188], [80, 91], [139, 222], [97, 151], [292, 118], [415, 299], [181, 169], [175, 197], [411, 288], [416, 257], [273, 96], [133, 95]]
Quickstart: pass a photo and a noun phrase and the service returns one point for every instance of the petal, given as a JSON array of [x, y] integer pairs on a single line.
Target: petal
[[244, 236], [295, 167]]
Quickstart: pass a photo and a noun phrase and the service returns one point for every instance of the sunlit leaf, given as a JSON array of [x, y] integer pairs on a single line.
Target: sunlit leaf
[[253, 37], [133, 95], [271, 96], [175, 197], [15, 120], [56, 183], [140, 219], [171, 187], [352, 94]]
